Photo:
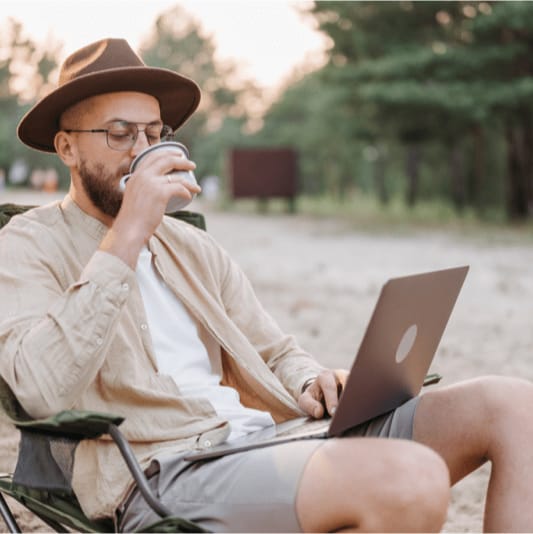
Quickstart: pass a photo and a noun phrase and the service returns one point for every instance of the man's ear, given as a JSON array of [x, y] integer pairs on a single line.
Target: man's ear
[[66, 149]]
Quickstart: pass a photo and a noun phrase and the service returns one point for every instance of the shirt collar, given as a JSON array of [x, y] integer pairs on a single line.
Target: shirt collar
[[75, 215]]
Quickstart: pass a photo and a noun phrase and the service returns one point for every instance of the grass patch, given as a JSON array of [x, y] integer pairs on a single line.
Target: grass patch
[[365, 213]]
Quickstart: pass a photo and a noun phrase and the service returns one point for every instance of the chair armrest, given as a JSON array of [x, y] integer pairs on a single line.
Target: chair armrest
[[9, 210], [191, 217], [74, 424]]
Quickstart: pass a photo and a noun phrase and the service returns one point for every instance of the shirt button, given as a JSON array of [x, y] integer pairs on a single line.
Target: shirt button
[[125, 286], [99, 340], [144, 326], [207, 443]]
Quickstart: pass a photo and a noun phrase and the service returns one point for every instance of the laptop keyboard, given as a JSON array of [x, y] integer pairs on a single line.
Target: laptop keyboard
[[302, 426]]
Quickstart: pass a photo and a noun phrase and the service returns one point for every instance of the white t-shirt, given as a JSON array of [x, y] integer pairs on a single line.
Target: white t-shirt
[[181, 354]]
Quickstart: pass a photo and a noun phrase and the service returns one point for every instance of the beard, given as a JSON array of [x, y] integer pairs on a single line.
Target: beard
[[101, 188]]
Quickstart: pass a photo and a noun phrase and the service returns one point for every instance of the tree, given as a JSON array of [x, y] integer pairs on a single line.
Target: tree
[[382, 51], [455, 74], [310, 118], [178, 42], [25, 73], [510, 94]]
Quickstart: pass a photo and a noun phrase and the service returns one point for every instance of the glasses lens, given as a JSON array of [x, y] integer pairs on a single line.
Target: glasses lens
[[154, 133], [122, 135]]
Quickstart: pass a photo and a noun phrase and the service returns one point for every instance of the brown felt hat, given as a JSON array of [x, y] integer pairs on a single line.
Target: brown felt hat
[[107, 66]]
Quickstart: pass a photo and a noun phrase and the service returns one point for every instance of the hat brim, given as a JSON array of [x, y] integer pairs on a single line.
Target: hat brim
[[178, 97]]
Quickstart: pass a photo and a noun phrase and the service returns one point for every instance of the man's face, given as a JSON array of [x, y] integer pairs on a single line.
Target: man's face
[[99, 167]]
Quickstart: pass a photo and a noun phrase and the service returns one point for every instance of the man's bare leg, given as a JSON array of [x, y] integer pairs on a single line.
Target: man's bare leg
[[372, 484], [486, 419]]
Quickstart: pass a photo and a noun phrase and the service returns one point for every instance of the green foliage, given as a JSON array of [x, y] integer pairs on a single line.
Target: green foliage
[[178, 43], [421, 91], [25, 72]]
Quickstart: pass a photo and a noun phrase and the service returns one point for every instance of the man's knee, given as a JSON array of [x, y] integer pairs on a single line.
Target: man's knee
[[502, 398], [417, 495], [374, 485]]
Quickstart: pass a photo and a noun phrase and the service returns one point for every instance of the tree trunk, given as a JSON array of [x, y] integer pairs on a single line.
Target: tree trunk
[[457, 171], [528, 175], [412, 171], [380, 166], [345, 184], [517, 173], [478, 190]]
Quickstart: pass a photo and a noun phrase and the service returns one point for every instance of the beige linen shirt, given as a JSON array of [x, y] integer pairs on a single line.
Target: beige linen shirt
[[74, 335]]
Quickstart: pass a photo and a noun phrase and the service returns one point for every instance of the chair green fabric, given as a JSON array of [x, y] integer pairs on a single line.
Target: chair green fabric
[[41, 481]]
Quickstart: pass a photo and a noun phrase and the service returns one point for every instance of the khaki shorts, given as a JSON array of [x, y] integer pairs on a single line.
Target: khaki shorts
[[252, 491]]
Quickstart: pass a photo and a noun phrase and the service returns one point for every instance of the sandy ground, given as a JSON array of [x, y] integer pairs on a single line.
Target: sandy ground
[[320, 279]]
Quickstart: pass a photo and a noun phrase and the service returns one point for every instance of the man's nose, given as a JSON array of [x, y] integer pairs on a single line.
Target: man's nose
[[140, 143]]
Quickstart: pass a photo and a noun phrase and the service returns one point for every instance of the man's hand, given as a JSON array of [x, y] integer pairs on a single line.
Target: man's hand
[[151, 186], [323, 393], [147, 193]]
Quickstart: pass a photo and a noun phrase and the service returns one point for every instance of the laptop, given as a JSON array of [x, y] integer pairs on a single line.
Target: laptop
[[391, 364]]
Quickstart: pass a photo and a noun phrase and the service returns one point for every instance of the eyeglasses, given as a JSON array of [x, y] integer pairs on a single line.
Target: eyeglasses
[[122, 135]]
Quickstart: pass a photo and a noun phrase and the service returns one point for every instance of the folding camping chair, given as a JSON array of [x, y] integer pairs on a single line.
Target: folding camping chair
[[42, 477]]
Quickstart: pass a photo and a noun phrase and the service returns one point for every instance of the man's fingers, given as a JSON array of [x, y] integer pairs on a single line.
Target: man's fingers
[[311, 403], [327, 381], [182, 179], [322, 394]]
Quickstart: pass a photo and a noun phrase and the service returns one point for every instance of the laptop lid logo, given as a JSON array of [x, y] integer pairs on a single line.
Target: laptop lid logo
[[406, 344]]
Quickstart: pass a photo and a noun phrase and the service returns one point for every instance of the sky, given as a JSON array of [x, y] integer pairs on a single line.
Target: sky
[[267, 38]]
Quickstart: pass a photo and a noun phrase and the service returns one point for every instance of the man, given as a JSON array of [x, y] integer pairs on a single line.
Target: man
[[116, 308]]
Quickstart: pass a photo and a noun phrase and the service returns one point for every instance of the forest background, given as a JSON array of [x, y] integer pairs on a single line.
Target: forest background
[[420, 105]]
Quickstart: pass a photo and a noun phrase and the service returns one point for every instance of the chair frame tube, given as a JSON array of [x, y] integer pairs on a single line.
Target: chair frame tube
[[137, 473], [7, 516]]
